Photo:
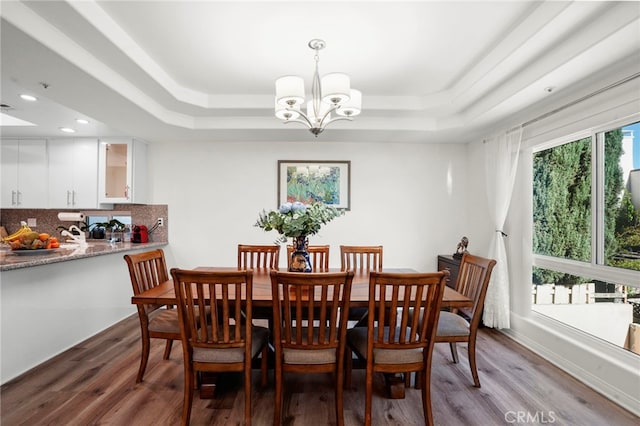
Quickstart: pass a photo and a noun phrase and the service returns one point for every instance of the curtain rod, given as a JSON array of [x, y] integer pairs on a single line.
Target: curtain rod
[[577, 101]]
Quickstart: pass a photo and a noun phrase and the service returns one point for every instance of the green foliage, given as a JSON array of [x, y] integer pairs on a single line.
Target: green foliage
[[630, 238], [612, 189], [628, 216], [553, 277], [627, 264], [112, 225], [297, 219], [562, 205]]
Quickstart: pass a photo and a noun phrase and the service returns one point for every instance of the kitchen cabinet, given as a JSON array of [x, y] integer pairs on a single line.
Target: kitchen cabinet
[[24, 173], [73, 177], [452, 265], [122, 171]]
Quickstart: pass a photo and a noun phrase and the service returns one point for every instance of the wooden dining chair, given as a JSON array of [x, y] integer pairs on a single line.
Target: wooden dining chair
[[215, 310], [309, 330], [258, 256], [462, 325], [398, 342], [147, 270], [319, 256], [361, 260]]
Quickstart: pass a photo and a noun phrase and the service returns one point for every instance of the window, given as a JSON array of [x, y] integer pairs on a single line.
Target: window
[[586, 236], [562, 201], [622, 202], [96, 220]]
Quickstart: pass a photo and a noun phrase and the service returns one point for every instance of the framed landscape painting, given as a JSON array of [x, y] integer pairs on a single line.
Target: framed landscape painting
[[308, 181]]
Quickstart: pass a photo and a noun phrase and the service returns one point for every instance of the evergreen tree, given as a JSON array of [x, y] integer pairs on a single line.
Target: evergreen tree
[[628, 216], [562, 203], [613, 188], [562, 206]]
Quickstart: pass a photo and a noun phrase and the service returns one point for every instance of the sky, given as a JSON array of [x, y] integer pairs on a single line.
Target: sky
[[636, 143]]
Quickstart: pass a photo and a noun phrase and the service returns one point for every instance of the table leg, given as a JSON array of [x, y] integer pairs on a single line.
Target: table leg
[[394, 384], [208, 384]]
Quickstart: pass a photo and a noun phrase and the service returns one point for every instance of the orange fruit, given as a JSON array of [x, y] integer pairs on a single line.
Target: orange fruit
[[43, 236]]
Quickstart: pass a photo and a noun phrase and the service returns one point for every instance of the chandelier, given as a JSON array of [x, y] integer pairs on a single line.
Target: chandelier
[[330, 94]]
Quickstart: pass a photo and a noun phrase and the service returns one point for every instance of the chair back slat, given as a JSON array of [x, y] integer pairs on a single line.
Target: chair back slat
[[473, 280], [222, 301], [308, 307], [147, 270], [361, 259], [396, 327], [318, 256], [258, 256]]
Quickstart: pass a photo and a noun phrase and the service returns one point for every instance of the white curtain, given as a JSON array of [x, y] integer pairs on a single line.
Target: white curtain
[[501, 162]]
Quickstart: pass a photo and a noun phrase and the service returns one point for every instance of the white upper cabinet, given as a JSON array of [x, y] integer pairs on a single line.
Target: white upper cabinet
[[122, 171], [73, 177], [24, 173]]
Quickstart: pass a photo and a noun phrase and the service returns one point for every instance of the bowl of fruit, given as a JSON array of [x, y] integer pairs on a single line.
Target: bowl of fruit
[[27, 241]]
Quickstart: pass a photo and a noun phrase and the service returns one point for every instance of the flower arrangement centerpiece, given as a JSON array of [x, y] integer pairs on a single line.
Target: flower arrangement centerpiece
[[298, 221]]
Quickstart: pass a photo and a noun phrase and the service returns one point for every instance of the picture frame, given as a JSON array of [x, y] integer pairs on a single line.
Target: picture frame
[[307, 181]]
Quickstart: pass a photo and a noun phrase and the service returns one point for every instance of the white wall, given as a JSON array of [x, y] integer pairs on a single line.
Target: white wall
[[411, 198]]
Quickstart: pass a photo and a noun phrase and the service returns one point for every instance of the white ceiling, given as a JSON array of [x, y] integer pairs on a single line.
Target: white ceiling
[[429, 71]]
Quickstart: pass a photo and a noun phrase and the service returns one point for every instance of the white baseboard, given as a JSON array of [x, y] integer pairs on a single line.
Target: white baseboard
[[611, 371]]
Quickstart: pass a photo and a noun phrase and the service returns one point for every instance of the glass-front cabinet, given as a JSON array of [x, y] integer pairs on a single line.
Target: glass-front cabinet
[[122, 168]]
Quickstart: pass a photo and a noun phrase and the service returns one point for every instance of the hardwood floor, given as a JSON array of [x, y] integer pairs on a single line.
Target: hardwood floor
[[94, 384]]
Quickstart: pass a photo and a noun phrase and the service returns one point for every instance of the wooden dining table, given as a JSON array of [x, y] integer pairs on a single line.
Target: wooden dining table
[[164, 293]]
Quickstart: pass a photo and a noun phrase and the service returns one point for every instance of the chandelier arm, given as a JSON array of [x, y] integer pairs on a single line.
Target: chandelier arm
[[336, 119], [297, 121], [327, 114], [303, 115]]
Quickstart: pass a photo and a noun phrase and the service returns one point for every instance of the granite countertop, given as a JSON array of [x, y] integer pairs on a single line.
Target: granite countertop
[[10, 260]]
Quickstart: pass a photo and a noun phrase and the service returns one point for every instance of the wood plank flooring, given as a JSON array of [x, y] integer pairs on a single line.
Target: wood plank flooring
[[94, 384]]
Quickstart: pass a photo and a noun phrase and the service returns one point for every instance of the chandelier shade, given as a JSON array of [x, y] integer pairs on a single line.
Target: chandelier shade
[[353, 106], [336, 88], [331, 93], [284, 113], [290, 90]]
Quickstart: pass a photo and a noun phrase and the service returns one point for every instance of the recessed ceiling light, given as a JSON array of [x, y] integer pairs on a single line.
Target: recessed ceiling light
[[28, 98], [67, 129], [82, 121], [549, 89]]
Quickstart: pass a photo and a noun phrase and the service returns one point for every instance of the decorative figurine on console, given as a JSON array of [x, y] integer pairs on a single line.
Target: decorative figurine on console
[[462, 248]]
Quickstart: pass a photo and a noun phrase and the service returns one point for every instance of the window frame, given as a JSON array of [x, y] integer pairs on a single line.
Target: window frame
[[592, 269]]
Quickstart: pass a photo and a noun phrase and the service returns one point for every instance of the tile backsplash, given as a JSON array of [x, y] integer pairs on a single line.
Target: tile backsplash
[[47, 219]]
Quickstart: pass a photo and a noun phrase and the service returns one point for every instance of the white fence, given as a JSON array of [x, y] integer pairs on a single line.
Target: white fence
[[556, 294]]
